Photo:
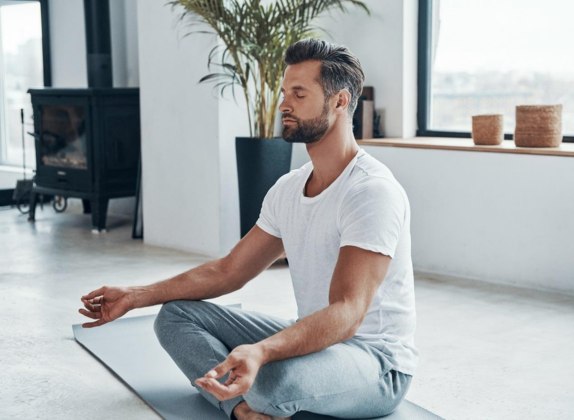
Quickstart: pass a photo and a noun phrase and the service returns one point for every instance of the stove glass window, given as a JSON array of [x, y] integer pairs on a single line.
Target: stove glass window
[[63, 136]]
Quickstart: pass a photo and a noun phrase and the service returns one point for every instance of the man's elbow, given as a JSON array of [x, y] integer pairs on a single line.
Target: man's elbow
[[350, 333], [355, 323], [228, 273]]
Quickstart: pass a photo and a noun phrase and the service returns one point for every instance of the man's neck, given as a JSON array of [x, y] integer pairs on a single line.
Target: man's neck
[[330, 156]]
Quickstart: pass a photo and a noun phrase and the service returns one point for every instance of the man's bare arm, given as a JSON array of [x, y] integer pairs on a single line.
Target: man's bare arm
[[253, 254], [357, 276]]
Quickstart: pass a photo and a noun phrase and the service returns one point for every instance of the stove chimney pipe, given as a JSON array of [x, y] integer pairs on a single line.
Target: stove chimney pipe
[[98, 43]]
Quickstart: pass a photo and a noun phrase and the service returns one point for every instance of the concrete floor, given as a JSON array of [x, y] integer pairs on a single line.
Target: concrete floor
[[487, 352]]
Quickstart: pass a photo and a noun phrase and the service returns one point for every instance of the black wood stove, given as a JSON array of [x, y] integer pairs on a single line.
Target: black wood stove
[[88, 139], [87, 146]]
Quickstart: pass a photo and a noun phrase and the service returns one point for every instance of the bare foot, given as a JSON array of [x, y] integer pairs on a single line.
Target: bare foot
[[243, 412]]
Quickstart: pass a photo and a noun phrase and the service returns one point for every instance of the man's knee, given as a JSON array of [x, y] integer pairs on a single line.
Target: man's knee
[[164, 322], [171, 316]]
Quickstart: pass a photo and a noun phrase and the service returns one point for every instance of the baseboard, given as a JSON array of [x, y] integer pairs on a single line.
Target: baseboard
[[508, 284]]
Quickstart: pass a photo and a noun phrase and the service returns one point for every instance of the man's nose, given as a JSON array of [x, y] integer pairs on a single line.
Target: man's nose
[[285, 107]]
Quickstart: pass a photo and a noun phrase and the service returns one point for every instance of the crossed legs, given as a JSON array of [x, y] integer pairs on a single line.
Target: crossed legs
[[347, 380]]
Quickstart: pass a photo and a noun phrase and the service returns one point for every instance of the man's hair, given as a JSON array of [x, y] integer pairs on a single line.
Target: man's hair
[[340, 69]]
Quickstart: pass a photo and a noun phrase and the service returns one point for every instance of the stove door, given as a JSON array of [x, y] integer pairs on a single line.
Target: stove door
[[63, 156]]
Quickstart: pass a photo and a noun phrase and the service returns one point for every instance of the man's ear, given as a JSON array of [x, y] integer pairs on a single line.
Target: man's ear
[[343, 99]]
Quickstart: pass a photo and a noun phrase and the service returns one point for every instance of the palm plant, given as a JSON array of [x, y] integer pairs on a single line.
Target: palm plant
[[254, 38]]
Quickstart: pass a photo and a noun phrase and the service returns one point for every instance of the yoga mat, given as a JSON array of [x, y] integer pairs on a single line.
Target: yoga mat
[[129, 348]]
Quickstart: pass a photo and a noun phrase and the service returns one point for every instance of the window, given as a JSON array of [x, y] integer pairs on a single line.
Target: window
[[487, 56], [23, 59]]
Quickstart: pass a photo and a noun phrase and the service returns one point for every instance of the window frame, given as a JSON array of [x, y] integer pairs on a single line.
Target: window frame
[[46, 53], [424, 77]]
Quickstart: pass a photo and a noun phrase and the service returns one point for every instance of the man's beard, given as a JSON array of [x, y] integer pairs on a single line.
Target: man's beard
[[307, 131]]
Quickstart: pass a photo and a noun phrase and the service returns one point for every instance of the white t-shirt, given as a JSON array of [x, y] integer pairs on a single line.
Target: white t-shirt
[[364, 207]]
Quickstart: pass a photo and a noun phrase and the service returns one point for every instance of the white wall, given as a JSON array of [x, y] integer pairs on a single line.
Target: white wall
[[180, 135], [501, 218]]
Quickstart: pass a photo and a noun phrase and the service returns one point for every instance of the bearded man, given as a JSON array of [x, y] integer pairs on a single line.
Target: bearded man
[[343, 222]]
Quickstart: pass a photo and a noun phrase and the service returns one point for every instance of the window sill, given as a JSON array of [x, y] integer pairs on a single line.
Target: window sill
[[443, 143]]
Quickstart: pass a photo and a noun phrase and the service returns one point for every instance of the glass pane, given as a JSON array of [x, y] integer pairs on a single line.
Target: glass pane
[[63, 136], [491, 55], [21, 61]]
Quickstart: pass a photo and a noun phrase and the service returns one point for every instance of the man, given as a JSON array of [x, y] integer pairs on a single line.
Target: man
[[343, 221]]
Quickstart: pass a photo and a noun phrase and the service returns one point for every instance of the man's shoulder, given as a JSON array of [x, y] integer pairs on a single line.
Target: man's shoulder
[[369, 167], [372, 175], [370, 182]]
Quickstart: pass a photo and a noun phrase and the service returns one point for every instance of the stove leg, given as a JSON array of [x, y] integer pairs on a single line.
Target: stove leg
[[86, 205], [33, 201], [99, 212]]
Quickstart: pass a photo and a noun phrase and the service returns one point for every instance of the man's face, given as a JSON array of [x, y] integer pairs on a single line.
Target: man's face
[[305, 110]]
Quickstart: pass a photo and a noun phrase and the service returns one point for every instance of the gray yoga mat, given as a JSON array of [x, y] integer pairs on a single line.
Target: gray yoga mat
[[129, 348]]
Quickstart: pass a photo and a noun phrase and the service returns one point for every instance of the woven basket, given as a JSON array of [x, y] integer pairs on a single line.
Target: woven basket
[[487, 130], [538, 126]]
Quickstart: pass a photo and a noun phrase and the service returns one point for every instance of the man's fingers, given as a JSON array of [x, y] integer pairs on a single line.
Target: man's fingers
[[89, 314], [230, 379], [94, 293], [220, 370], [92, 307], [220, 391], [93, 324]]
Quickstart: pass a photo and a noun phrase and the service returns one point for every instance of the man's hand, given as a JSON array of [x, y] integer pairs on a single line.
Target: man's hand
[[106, 304], [242, 364]]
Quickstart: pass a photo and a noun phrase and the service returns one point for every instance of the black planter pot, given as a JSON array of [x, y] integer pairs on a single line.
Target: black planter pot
[[260, 163]]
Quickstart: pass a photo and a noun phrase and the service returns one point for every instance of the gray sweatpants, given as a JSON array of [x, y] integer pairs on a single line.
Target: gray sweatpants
[[351, 380]]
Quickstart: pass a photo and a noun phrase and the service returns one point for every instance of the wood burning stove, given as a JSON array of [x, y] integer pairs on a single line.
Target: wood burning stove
[[87, 145]]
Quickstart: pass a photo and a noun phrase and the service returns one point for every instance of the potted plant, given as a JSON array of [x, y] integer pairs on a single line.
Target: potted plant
[[254, 37]]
